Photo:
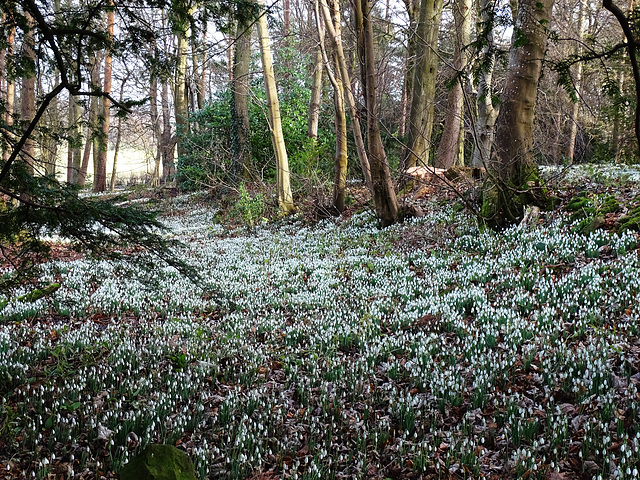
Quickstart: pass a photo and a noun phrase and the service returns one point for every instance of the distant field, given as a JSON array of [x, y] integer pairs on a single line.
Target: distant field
[[132, 164]]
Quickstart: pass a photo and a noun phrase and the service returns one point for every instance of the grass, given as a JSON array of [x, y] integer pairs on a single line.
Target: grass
[[335, 350]]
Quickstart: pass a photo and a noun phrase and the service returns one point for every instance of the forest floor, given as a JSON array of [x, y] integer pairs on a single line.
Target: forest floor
[[335, 350]]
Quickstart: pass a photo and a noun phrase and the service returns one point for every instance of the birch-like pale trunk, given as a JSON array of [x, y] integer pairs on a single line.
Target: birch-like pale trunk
[[285, 197], [316, 96], [484, 129]]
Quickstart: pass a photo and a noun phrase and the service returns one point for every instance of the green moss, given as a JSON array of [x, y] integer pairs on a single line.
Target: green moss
[[631, 221], [159, 462], [504, 205], [38, 293], [610, 205]]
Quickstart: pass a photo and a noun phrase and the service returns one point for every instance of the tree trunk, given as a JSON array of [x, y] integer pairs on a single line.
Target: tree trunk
[[484, 130], [617, 121], [155, 128], [340, 160], [28, 95], [409, 66], [240, 127], [100, 182], [116, 150], [351, 101], [74, 155], [575, 106], [384, 195], [424, 85], [94, 107], [180, 101], [513, 180], [10, 92], [316, 96], [630, 35], [168, 140], [453, 134], [285, 198]]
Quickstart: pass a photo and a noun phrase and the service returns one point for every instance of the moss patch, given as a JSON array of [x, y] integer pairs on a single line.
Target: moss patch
[[631, 221]]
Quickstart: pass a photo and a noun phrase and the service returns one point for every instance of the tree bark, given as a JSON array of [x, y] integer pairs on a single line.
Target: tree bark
[[240, 127], [180, 101], [100, 181], [513, 178], [10, 93], [351, 101], [412, 7], [285, 197], [424, 84], [28, 95], [384, 195], [316, 96], [116, 150], [484, 129], [575, 106], [629, 34], [168, 140], [94, 66], [449, 150]]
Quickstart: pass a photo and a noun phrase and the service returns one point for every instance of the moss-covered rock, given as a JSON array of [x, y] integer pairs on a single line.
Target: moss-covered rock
[[159, 462]]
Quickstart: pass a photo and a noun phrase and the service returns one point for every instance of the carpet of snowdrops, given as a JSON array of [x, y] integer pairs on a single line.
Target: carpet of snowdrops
[[335, 350]]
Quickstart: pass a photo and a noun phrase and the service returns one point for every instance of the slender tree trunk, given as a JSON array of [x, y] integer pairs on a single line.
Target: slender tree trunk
[[316, 96], [74, 156], [424, 84], [168, 140], [180, 89], [94, 109], [384, 195], [155, 128], [575, 106], [453, 134], [9, 92], [116, 150], [286, 14], [513, 179], [202, 79], [285, 197], [351, 101], [340, 159], [630, 35], [28, 95], [240, 128], [100, 182], [409, 66], [484, 130], [617, 121]]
